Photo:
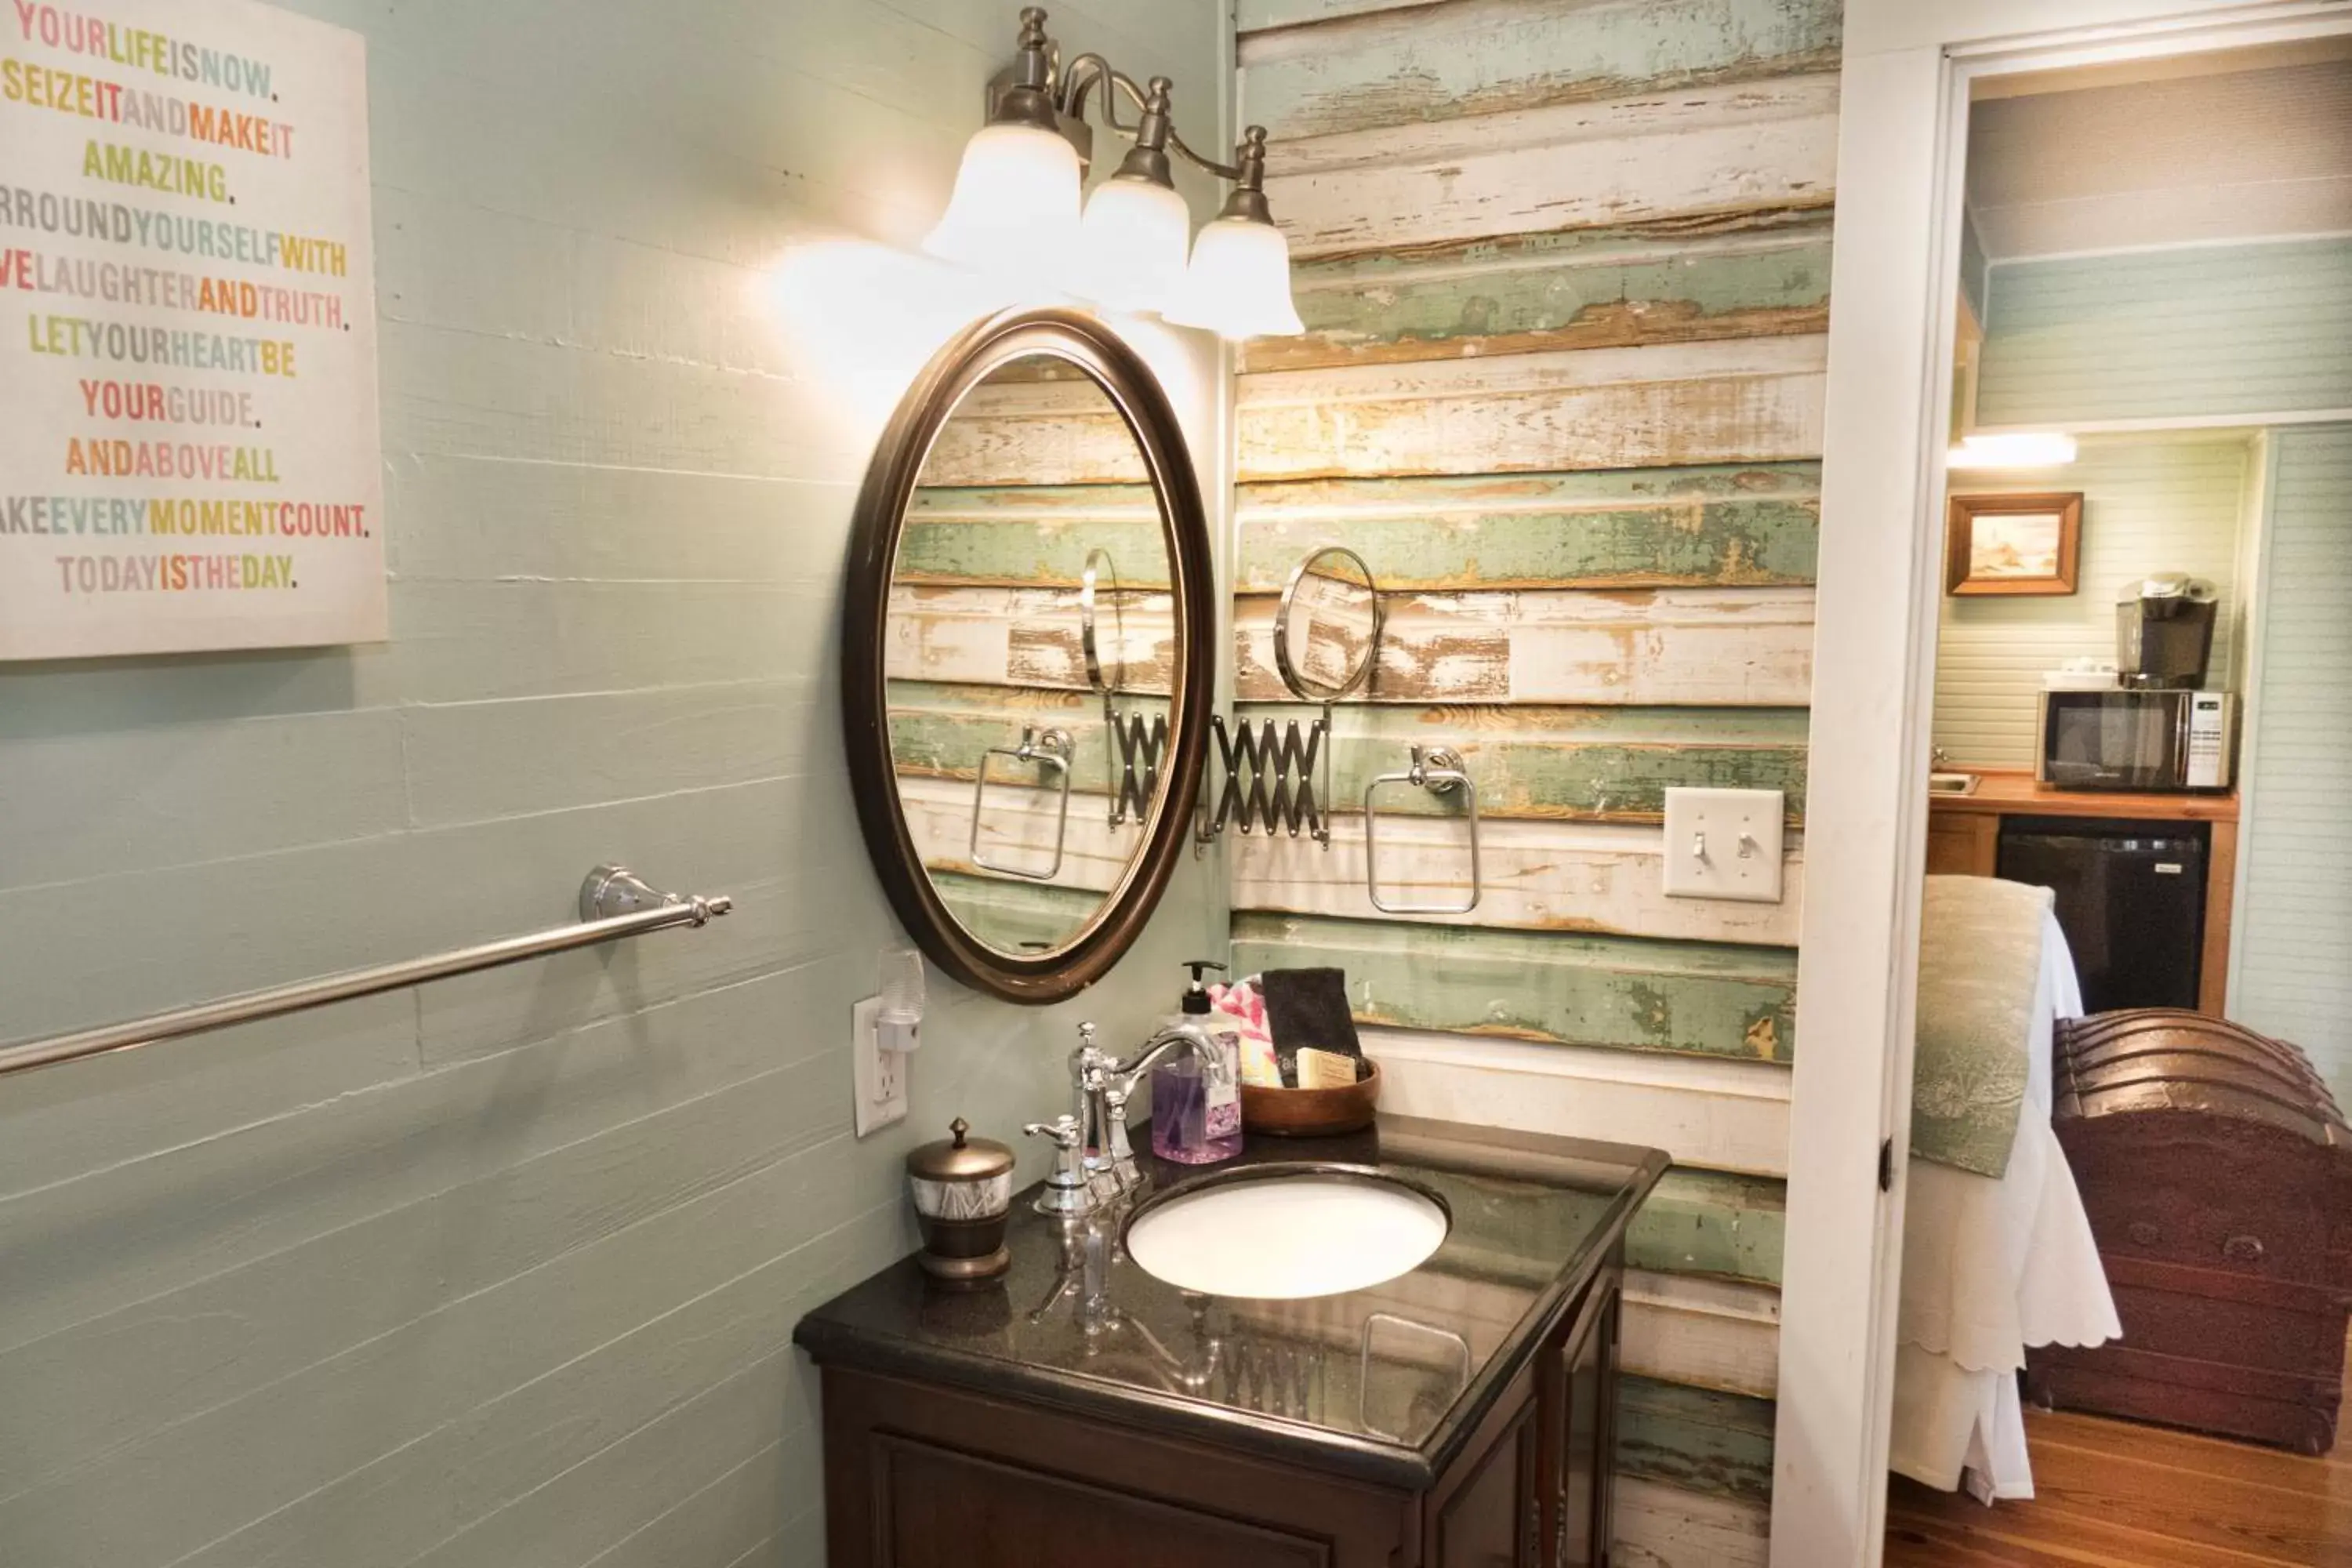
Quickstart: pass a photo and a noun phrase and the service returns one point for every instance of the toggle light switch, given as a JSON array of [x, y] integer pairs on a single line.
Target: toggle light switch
[[1724, 844]]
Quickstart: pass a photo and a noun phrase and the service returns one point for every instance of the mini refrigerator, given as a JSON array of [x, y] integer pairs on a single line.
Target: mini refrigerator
[[2130, 899]]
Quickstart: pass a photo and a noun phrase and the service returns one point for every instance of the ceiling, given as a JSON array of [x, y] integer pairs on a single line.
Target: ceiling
[[2236, 145]]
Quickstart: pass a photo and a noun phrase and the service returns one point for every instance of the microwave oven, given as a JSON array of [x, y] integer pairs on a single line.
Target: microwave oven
[[2135, 739]]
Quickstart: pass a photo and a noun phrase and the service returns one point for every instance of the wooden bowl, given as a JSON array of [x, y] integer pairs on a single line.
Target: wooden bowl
[[1312, 1113]]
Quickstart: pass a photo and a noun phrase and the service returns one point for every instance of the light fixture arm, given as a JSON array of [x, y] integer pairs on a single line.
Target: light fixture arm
[[1069, 87], [1081, 76]]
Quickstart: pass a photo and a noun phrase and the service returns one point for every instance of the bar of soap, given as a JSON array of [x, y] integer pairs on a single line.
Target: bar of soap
[[1325, 1070]]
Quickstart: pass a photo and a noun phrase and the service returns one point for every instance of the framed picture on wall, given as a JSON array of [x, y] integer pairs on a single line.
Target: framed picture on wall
[[2013, 544]]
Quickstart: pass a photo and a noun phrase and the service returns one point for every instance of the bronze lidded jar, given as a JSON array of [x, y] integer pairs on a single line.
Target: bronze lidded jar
[[962, 1188]]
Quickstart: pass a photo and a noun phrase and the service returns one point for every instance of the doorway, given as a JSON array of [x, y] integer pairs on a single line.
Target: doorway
[[2271, 452]]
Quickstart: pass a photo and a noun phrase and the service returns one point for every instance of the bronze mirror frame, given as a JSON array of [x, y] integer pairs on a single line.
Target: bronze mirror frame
[[890, 481]]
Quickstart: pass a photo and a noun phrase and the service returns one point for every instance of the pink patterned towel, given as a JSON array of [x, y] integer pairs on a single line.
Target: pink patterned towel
[[1242, 1000]]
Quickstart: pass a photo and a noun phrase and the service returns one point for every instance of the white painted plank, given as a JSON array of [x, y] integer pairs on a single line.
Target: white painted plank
[[1023, 637], [1661, 404], [1035, 433], [1735, 148], [1709, 1112], [1659, 1526], [1680, 647], [1533, 876], [1018, 829], [1703, 1332]]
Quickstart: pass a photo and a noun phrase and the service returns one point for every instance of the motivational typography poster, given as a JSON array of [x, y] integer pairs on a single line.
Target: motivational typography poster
[[189, 449]]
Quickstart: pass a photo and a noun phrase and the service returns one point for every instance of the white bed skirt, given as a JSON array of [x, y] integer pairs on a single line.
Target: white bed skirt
[[1990, 1266]]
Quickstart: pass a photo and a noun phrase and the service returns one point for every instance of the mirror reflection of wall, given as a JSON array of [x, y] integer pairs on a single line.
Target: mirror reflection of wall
[[1035, 482]]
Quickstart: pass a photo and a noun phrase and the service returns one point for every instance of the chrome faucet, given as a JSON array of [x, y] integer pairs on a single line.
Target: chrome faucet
[[1097, 1162]]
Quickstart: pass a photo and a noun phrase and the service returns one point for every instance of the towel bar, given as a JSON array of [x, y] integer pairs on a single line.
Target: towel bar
[[613, 904]]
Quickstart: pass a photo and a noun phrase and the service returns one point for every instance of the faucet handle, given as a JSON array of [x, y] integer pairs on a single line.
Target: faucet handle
[[1062, 1130]]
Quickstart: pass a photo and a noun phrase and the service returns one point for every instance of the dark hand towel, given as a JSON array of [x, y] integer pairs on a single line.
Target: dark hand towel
[[1308, 1008]]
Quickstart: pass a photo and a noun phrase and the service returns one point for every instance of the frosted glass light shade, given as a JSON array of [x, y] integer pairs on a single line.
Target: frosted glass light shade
[[1133, 242], [1015, 206], [1239, 283]]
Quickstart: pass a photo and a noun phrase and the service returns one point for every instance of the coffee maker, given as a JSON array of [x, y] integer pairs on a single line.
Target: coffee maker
[[2164, 632]]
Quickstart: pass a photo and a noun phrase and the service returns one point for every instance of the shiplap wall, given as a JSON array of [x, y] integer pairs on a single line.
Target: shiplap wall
[[2152, 504], [2207, 332], [2296, 977], [2190, 333], [503, 1272], [1565, 275]]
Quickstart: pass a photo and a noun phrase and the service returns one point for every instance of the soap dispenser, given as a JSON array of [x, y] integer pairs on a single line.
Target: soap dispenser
[[1196, 1107]]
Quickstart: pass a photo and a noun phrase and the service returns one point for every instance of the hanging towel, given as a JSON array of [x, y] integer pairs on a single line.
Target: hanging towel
[[1979, 963], [1306, 1009]]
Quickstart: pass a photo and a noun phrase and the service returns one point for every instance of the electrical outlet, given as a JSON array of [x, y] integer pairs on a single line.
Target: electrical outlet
[[1724, 844], [879, 1076]]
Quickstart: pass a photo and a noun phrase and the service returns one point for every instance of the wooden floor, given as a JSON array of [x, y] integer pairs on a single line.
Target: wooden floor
[[2118, 1493]]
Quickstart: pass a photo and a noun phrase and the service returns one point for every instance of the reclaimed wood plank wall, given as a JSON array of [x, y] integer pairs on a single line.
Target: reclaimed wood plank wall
[[1565, 273]]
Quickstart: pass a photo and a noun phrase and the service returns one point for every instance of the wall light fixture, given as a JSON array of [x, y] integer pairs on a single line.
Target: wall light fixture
[[1016, 209]]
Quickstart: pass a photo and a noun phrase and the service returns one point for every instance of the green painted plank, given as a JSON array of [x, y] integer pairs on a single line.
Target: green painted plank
[[1695, 1438], [1578, 765], [1446, 61], [1012, 916], [1703, 1222], [1623, 993], [1031, 535], [932, 743], [1597, 288], [1717, 526]]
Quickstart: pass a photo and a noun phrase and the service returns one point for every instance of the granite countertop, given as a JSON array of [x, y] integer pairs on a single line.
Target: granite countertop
[[1383, 1383]]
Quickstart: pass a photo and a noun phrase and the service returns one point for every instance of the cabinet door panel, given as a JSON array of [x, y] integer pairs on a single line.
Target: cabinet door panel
[[940, 1509], [1585, 1440], [1487, 1522]]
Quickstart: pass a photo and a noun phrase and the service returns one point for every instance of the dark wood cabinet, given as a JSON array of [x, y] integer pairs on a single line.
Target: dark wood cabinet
[[920, 1474]]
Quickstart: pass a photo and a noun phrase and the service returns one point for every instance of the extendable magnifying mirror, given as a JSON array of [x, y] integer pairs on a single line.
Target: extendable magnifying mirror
[[1327, 639], [1099, 583], [1327, 634]]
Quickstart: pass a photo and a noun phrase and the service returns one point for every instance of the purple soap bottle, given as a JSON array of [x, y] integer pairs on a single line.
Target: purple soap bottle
[[1196, 1099]]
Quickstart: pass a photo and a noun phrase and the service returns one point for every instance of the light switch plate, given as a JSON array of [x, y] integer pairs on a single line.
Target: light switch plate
[[1724, 844], [879, 1077]]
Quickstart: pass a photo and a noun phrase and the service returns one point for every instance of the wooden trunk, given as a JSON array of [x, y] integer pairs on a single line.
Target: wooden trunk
[[2213, 1163]]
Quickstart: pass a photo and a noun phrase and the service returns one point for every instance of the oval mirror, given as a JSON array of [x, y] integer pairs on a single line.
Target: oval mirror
[[1326, 632], [1025, 675]]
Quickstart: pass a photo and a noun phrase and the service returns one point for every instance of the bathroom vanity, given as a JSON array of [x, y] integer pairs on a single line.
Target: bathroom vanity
[[1081, 1410]]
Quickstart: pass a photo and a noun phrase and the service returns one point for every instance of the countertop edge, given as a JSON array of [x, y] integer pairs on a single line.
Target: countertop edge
[[1164, 1415], [2015, 792]]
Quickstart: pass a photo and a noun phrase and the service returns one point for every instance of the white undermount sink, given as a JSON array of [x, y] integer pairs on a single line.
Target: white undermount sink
[[1287, 1236]]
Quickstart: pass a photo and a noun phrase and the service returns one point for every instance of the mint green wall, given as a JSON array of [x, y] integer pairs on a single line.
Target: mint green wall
[[2295, 977], [2215, 332], [502, 1272], [2150, 503], [2193, 334]]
